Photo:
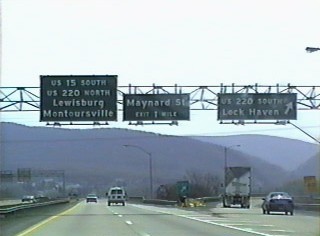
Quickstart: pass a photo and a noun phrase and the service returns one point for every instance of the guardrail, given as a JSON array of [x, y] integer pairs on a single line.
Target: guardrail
[[307, 206], [17, 207], [194, 202]]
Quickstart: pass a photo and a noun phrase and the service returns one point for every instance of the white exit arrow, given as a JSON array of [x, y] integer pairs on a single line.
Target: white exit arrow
[[289, 107]]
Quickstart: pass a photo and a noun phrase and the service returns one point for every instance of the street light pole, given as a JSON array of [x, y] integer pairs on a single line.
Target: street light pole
[[150, 165], [226, 162], [226, 156]]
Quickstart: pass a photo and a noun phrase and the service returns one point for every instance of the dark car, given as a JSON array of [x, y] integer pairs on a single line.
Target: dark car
[[92, 198], [278, 202], [28, 198]]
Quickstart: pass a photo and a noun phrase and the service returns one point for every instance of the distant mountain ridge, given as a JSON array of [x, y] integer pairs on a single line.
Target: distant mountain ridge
[[98, 156], [310, 167], [286, 153]]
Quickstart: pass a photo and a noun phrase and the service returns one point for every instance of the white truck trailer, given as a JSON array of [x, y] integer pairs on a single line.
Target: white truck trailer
[[237, 187]]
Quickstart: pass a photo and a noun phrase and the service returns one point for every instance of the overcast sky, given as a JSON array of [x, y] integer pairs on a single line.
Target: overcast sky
[[166, 42]]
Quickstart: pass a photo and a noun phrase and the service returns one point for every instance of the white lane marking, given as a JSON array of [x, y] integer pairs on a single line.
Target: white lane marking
[[129, 222], [205, 220], [200, 215], [219, 220], [236, 224], [235, 221], [157, 209], [247, 230], [282, 230], [266, 225], [112, 211]]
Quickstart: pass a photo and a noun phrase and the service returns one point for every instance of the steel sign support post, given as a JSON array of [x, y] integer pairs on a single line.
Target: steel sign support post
[[64, 184], [318, 141], [150, 165], [312, 49], [225, 154], [151, 175]]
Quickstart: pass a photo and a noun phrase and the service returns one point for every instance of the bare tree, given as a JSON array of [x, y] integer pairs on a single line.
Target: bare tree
[[203, 184]]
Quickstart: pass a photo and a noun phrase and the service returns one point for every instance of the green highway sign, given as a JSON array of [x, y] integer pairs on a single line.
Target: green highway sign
[[78, 98], [156, 107], [183, 188], [257, 106]]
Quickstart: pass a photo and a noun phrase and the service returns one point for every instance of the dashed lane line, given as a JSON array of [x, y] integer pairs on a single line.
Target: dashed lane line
[[128, 222]]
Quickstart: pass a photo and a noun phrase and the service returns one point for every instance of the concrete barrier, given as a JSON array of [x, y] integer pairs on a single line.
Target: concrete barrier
[[160, 202]]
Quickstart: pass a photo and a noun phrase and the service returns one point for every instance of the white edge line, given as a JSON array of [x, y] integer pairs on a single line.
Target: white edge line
[[213, 223], [229, 226]]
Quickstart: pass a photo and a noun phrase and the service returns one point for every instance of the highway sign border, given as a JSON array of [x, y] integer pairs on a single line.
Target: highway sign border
[[244, 106]]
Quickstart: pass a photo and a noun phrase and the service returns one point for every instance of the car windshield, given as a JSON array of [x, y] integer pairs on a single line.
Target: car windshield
[[116, 191], [280, 194], [159, 118]]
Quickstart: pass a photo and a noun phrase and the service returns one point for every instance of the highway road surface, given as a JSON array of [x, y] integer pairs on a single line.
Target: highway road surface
[[91, 219]]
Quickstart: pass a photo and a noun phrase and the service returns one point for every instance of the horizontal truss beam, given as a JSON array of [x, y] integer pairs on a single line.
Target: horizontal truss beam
[[201, 97]]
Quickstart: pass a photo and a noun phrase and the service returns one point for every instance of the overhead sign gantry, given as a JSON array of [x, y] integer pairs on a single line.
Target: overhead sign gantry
[[60, 101]]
